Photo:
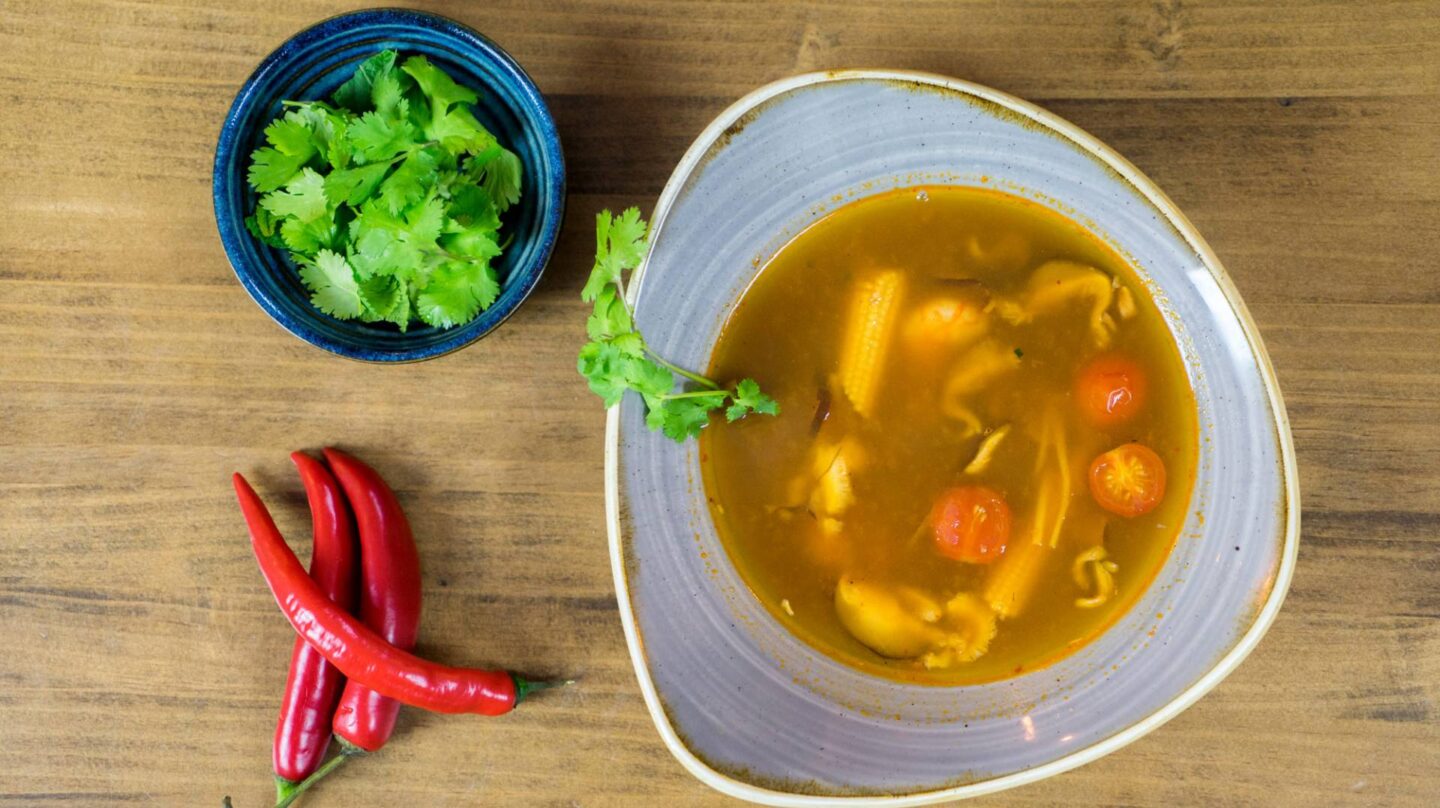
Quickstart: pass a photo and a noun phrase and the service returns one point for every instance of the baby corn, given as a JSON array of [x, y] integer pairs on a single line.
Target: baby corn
[[983, 455], [871, 325], [1013, 578]]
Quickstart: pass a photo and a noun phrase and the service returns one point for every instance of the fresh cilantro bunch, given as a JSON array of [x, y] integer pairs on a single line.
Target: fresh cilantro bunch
[[617, 359], [389, 198]]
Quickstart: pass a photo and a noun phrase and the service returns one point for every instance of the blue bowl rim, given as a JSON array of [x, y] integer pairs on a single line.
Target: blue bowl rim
[[527, 276]]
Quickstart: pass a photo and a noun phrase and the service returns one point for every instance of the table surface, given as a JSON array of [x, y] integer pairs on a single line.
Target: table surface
[[1303, 140]]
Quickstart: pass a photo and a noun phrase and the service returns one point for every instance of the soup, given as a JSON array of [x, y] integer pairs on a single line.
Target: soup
[[986, 443]]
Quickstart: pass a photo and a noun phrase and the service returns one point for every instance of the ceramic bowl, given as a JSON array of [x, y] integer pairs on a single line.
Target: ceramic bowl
[[758, 714], [310, 66]]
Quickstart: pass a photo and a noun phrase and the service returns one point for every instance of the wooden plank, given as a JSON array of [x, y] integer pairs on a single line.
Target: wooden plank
[[1085, 49]]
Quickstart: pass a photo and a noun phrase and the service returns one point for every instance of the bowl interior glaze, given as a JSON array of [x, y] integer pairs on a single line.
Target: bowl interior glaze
[[757, 713], [311, 65]]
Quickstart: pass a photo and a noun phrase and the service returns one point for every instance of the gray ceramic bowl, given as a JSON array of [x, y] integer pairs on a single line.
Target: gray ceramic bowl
[[755, 712]]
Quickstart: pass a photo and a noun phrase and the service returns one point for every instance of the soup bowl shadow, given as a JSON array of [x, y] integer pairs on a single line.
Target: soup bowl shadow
[[755, 712], [311, 65]]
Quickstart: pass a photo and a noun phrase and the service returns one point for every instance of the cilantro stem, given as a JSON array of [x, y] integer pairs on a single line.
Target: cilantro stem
[[694, 377], [619, 283], [692, 394]]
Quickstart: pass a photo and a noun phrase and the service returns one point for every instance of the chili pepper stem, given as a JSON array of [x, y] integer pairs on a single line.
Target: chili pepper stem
[[284, 787], [347, 751], [524, 687]]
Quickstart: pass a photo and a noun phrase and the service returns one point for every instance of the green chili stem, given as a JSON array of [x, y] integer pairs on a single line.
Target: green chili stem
[[347, 751], [524, 687], [284, 788]]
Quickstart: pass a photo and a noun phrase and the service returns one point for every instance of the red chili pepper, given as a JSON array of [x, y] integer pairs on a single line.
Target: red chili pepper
[[361, 654], [303, 732], [389, 593]]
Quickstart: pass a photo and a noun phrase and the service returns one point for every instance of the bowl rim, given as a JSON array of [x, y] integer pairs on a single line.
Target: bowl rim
[[1096, 149], [228, 142]]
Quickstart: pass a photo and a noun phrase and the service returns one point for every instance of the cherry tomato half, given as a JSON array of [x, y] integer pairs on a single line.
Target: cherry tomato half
[[1111, 389], [971, 523], [1128, 480]]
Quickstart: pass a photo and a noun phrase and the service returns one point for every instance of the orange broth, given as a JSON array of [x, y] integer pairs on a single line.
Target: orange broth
[[900, 333]]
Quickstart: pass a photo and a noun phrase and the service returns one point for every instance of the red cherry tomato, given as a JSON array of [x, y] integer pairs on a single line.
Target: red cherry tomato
[[1128, 480], [1111, 390], [971, 524]]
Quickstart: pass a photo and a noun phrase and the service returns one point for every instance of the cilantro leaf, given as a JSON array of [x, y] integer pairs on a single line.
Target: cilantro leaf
[[326, 126], [616, 359], [682, 418], [382, 243], [611, 316], [291, 137], [480, 278], [628, 238], [502, 181], [387, 92], [469, 243], [353, 186], [303, 197], [330, 140], [424, 222], [404, 308], [470, 207], [270, 169], [602, 365], [446, 305], [747, 399], [456, 292], [648, 378], [619, 245], [410, 182], [261, 225], [460, 132], [441, 89], [484, 284], [387, 200], [355, 94], [631, 344], [379, 294], [308, 238], [332, 282], [375, 137]]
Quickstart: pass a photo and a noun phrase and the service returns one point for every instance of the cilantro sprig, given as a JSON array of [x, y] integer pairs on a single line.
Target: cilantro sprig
[[389, 198], [617, 359]]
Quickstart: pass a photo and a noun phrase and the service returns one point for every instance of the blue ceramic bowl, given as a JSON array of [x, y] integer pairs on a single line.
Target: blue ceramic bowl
[[310, 66]]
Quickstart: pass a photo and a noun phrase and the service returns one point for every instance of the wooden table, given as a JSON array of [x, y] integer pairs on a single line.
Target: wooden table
[[144, 657]]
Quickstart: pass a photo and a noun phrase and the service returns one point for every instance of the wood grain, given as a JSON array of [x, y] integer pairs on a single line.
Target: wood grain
[[144, 657]]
